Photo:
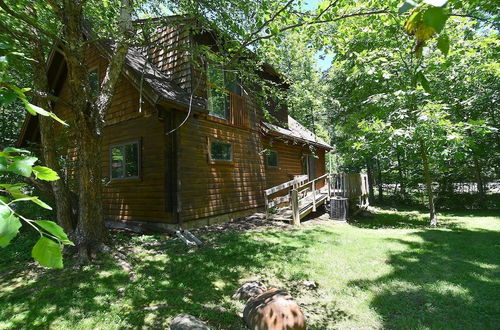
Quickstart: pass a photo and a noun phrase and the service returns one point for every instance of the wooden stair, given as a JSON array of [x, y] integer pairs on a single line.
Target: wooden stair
[[293, 200]]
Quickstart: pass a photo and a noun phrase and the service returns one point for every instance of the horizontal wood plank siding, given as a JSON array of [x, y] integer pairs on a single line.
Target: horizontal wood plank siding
[[213, 188]]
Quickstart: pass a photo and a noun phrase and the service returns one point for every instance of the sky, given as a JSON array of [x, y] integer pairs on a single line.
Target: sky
[[324, 63]]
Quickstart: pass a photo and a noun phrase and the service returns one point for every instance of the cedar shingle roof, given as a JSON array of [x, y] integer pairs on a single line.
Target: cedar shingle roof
[[296, 132], [160, 83]]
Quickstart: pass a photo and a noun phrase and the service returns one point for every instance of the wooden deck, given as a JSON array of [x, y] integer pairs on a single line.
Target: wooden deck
[[293, 200]]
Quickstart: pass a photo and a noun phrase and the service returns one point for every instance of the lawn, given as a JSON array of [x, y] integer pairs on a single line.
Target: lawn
[[391, 271]]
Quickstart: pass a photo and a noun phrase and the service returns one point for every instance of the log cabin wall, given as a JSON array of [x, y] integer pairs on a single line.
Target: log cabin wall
[[209, 187], [206, 188], [141, 199], [290, 157]]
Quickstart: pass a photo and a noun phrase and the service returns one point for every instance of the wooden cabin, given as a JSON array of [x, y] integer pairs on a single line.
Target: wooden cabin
[[213, 168]]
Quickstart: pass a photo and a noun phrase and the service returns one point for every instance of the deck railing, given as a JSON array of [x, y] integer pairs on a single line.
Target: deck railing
[[291, 193]]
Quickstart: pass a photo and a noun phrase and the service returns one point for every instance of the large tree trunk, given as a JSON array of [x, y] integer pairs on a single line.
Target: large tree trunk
[[369, 172], [59, 187], [379, 182], [402, 187], [90, 231], [428, 183], [89, 115], [479, 177]]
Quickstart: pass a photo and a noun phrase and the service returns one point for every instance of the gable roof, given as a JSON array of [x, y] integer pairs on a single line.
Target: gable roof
[[159, 88], [160, 84], [296, 132]]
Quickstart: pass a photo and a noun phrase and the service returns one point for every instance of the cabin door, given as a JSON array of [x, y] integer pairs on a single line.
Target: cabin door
[[309, 166]]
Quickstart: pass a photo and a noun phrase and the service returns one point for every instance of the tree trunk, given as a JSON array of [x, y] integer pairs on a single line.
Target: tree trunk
[[90, 230], [369, 172], [428, 183], [379, 182], [89, 117], [402, 187], [479, 177], [59, 187]]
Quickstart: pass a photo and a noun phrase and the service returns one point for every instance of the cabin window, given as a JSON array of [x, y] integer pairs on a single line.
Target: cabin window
[[221, 151], [272, 159], [220, 85], [94, 82], [125, 161]]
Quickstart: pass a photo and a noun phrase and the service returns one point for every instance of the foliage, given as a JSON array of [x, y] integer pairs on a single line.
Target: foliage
[[48, 249]]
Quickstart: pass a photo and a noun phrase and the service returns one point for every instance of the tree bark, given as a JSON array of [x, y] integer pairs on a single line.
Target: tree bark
[[89, 117], [369, 172], [402, 187], [90, 230], [428, 183], [59, 188], [379, 182], [479, 177]]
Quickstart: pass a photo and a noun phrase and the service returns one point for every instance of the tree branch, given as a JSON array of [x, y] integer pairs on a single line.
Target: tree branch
[[116, 62], [27, 20], [294, 26]]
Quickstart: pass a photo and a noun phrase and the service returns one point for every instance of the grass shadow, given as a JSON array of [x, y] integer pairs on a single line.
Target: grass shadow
[[444, 279], [171, 278]]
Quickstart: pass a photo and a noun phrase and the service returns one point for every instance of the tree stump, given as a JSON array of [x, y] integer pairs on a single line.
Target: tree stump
[[274, 309]]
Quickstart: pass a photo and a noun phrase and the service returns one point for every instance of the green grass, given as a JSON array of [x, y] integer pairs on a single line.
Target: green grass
[[388, 272]]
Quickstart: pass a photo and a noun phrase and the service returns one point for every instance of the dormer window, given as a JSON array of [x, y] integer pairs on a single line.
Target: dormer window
[[220, 85]]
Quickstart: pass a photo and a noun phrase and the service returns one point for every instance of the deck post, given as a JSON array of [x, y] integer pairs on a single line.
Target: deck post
[[267, 206], [327, 180], [313, 187], [294, 195]]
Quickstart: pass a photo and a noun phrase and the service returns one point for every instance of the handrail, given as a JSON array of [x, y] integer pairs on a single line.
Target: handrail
[[299, 188], [285, 185]]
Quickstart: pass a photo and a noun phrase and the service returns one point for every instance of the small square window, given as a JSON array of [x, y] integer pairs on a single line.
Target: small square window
[[94, 82], [221, 151], [272, 159], [124, 161]]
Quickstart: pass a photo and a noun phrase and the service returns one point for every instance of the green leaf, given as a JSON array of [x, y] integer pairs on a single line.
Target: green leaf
[[3, 163], [437, 3], [443, 44], [22, 165], [424, 82], [45, 173], [17, 150], [7, 97], [54, 229], [20, 168], [435, 17], [53, 116], [48, 253], [9, 225], [36, 200], [34, 109]]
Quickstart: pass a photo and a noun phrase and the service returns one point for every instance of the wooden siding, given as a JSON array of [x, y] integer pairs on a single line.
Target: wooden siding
[[290, 161], [212, 188], [205, 188], [142, 198], [128, 199], [170, 54]]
